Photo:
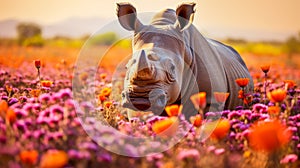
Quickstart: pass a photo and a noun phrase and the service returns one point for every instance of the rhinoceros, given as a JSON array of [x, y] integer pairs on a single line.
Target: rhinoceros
[[171, 61]]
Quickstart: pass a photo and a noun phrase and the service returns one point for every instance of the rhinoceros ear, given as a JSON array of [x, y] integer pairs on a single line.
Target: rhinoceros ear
[[185, 15], [127, 16]]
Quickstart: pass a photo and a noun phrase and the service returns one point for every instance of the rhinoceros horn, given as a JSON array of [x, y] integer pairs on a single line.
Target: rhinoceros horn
[[144, 69]]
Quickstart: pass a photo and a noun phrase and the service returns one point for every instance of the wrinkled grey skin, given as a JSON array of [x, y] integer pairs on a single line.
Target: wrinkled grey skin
[[172, 60]]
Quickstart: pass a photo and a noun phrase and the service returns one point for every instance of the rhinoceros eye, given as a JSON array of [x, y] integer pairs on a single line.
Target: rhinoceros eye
[[130, 63], [153, 57]]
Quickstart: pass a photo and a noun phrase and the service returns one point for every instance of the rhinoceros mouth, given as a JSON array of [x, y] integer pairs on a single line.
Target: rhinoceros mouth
[[153, 100]]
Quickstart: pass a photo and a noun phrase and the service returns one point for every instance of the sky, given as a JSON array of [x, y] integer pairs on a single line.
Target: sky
[[268, 19]]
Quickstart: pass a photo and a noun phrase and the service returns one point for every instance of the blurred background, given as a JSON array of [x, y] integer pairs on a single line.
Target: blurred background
[[262, 31]]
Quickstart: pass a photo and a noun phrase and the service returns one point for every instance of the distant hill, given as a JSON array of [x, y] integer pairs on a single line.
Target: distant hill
[[8, 28], [77, 27]]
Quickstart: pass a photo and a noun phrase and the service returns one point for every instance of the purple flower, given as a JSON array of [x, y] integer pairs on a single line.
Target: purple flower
[[37, 106], [293, 129], [104, 157], [20, 125], [289, 159], [73, 154], [28, 107], [234, 114], [56, 109], [65, 93], [44, 98], [295, 138], [154, 156], [12, 101], [239, 108], [38, 134], [20, 113], [188, 153], [2, 139], [89, 146], [260, 108]]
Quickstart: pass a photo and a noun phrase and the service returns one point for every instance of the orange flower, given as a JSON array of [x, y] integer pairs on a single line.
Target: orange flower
[[221, 97], [103, 76], [35, 92], [173, 110], [101, 98], [199, 100], [46, 83], [273, 110], [196, 120], [8, 88], [54, 159], [221, 129], [166, 127], [11, 115], [105, 91], [268, 136], [29, 156], [241, 94], [37, 64], [84, 76], [242, 82], [277, 95], [265, 68], [247, 99], [290, 83], [107, 104], [3, 106]]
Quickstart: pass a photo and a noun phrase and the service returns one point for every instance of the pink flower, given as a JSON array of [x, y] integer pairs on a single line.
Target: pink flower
[[289, 159], [191, 153], [219, 151]]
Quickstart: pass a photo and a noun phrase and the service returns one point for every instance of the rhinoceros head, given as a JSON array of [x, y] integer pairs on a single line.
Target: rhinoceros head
[[154, 73]]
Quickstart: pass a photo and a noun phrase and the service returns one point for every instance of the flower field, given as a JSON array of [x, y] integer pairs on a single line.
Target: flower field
[[45, 120]]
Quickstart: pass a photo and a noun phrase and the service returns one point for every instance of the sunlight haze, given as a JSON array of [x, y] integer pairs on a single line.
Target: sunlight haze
[[265, 19]]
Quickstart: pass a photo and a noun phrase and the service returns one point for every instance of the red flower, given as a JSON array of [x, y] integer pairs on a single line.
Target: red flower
[[242, 82], [37, 64]]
